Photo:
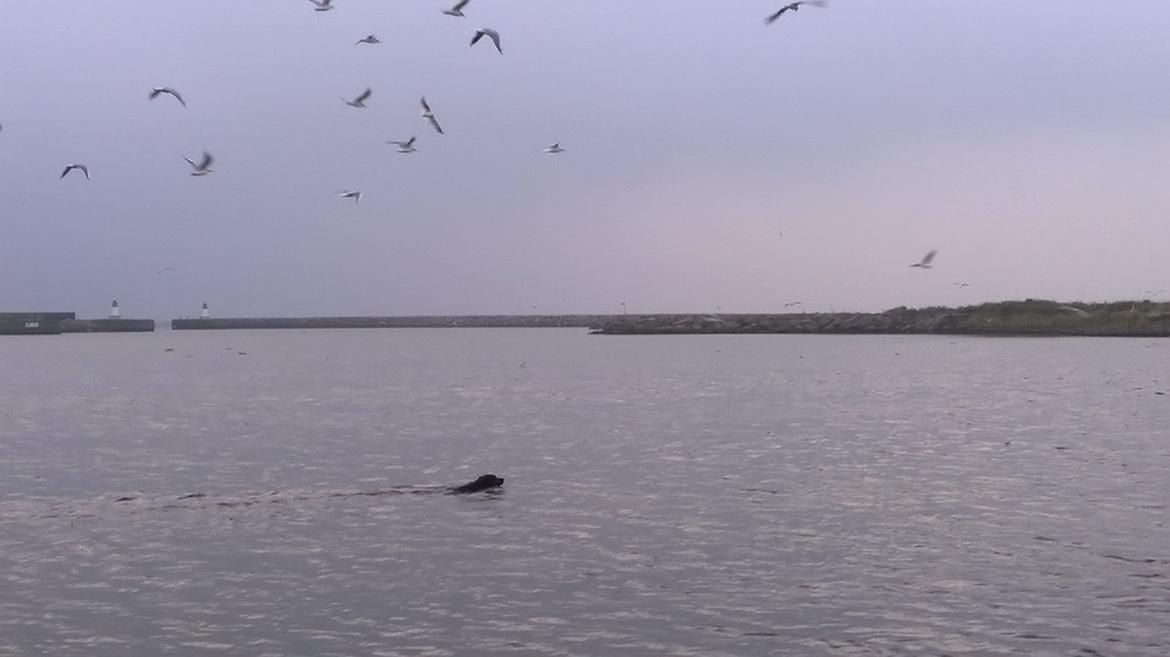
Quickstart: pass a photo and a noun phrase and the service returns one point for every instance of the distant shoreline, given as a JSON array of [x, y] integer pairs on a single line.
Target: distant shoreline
[[1006, 318]]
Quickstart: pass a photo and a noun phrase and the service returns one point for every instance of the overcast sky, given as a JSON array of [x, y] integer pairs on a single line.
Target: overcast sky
[[711, 161]]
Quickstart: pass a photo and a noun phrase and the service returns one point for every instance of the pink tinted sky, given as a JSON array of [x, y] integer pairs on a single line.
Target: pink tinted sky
[[712, 162]]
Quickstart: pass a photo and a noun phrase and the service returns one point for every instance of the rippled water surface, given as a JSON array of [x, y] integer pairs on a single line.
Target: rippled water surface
[[683, 495]]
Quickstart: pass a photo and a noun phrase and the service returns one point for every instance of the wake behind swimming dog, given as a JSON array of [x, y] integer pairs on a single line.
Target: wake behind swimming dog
[[488, 484]]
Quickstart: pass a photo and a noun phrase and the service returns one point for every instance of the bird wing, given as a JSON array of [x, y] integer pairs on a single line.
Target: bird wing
[[926, 259], [435, 123], [84, 169], [425, 106], [460, 5], [772, 19], [495, 37], [177, 96], [475, 39], [67, 170], [154, 93], [193, 165], [205, 162], [364, 95], [410, 142]]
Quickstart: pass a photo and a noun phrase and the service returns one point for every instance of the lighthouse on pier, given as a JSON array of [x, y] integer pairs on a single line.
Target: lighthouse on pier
[[204, 313], [114, 312]]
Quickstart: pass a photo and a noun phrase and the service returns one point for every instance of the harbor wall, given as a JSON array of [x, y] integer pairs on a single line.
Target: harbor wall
[[420, 321], [107, 326]]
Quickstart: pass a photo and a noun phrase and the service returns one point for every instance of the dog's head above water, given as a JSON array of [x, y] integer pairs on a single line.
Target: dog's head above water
[[482, 483]]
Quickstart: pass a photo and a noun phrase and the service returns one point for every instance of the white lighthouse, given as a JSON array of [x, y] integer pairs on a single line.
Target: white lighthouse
[[114, 312], [204, 313]]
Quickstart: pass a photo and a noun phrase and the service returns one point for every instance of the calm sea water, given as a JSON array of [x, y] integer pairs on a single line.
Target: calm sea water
[[698, 495]]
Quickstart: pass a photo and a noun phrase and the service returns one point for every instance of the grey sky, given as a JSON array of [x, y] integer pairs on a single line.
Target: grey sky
[[1028, 141]]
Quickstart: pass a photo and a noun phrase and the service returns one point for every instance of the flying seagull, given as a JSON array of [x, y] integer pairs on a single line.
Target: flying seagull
[[361, 99], [961, 284], [373, 38], [154, 93], [489, 33], [554, 149], [404, 146], [926, 260], [429, 115], [356, 196], [322, 5], [80, 167], [457, 10], [203, 167], [794, 6]]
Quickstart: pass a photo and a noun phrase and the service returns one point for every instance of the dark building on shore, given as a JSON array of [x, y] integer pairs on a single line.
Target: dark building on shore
[[33, 323]]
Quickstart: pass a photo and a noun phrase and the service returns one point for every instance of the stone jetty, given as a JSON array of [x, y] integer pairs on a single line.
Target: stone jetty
[[370, 322]]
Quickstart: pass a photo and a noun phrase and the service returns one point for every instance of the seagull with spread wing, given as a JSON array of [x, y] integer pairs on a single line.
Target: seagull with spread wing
[[322, 5], [554, 149], [203, 167], [157, 91], [404, 146], [794, 6], [926, 260], [429, 115], [489, 33], [457, 10], [370, 39], [80, 167], [360, 100]]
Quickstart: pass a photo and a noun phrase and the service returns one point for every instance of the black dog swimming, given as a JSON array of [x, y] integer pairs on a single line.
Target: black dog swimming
[[487, 482]]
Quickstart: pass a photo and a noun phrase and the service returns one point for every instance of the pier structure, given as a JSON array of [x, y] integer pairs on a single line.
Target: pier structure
[[417, 321]]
